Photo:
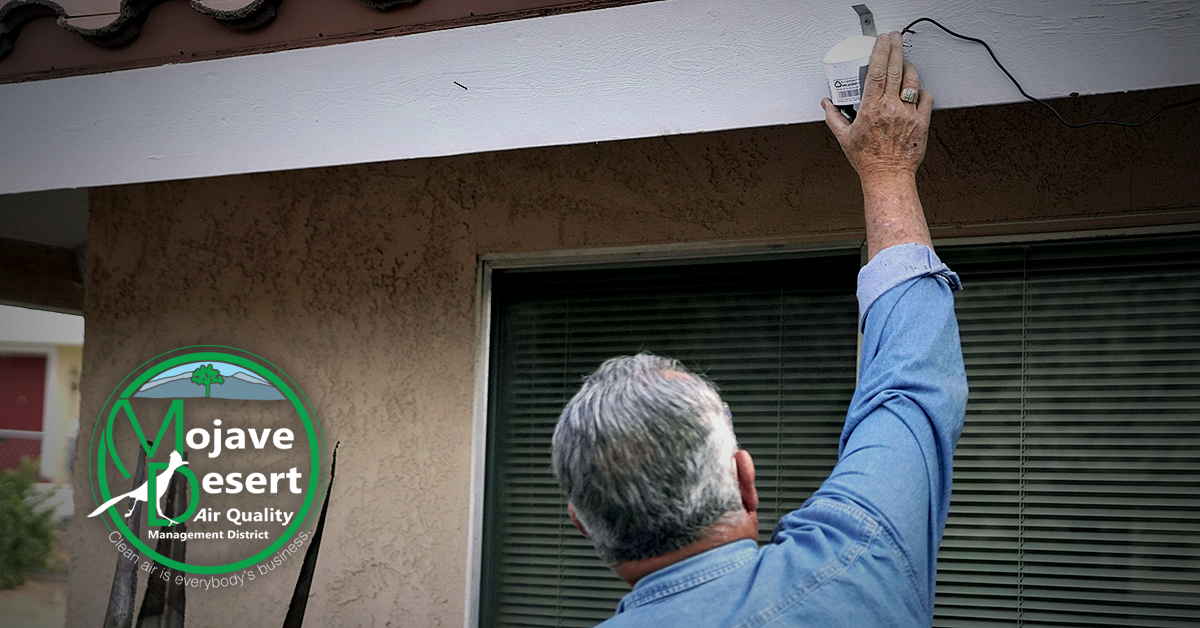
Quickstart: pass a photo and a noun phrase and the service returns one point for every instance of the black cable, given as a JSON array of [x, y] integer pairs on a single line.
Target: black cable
[[908, 29]]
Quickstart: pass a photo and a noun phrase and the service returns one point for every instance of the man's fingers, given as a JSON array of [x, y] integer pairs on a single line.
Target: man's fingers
[[911, 80], [834, 118], [877, 69], [895, 66]]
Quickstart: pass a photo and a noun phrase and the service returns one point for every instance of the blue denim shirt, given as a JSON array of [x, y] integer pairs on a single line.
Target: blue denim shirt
[[862, 551]]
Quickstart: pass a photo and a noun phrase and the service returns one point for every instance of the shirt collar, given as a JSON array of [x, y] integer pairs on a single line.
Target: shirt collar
[[690, 573]]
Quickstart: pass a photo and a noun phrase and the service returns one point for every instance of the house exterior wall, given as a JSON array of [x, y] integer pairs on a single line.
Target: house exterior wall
[[58, 406], [66, 420], [360, 282]]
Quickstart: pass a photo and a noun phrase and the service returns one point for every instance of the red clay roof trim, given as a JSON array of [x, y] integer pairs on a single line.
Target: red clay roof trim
[[173, 32]]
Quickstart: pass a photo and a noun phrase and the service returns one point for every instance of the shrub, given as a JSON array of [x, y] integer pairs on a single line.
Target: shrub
[[26, 530]]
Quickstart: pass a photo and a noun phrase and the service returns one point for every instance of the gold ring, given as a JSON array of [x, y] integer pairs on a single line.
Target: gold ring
[[908, 95]]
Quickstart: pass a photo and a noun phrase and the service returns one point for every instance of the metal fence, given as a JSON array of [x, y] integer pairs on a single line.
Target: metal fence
[[18, 444]]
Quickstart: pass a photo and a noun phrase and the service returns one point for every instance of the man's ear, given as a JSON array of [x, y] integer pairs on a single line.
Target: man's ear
[[575, 520], [744, 465]]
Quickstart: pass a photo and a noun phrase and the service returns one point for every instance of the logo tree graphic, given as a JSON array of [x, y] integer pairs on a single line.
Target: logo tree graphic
[[206, 376]]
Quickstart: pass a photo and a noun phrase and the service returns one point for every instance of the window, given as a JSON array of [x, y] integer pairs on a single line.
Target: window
[[1077, 496], [1077, 479]]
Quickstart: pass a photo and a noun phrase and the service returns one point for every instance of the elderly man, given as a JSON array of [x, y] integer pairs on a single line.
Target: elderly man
[[648, 459]]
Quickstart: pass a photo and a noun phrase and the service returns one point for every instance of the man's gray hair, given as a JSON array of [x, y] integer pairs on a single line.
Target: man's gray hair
[[643, 452]]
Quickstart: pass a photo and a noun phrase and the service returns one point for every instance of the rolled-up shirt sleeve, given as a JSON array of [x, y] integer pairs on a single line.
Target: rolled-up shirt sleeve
[[897, 447], [894, 266]]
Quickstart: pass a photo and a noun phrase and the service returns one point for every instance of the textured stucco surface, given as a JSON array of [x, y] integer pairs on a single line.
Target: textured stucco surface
[[360, 283]]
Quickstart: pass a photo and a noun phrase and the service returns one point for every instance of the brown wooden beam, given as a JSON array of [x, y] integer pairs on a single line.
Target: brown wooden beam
[[41, 277]]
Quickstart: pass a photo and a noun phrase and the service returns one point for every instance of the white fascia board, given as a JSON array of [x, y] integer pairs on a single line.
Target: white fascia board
[[674, 66], [21, 326]]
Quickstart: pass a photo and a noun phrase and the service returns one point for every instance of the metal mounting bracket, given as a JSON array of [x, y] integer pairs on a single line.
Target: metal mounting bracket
[[866, 20]]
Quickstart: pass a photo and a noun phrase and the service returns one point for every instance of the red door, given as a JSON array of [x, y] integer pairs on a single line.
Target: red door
[[22, 392]]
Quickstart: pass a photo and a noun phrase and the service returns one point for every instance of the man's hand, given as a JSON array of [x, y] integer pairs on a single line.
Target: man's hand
[[886, 144], [888, 137]]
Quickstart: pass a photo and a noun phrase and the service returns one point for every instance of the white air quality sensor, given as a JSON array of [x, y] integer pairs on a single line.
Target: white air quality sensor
[[846, 69], [846, 63]]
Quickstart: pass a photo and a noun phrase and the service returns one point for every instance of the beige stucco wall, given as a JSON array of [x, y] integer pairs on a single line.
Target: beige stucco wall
[[360, 283]]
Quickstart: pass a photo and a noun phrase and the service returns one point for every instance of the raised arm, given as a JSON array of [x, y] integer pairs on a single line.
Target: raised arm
[[897, 448], [886, 144]]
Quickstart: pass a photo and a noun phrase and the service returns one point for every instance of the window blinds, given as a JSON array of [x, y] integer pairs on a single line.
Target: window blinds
[[1077, 481], [779, 338]]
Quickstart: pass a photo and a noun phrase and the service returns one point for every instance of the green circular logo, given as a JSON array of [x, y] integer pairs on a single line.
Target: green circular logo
[[247, 407]]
